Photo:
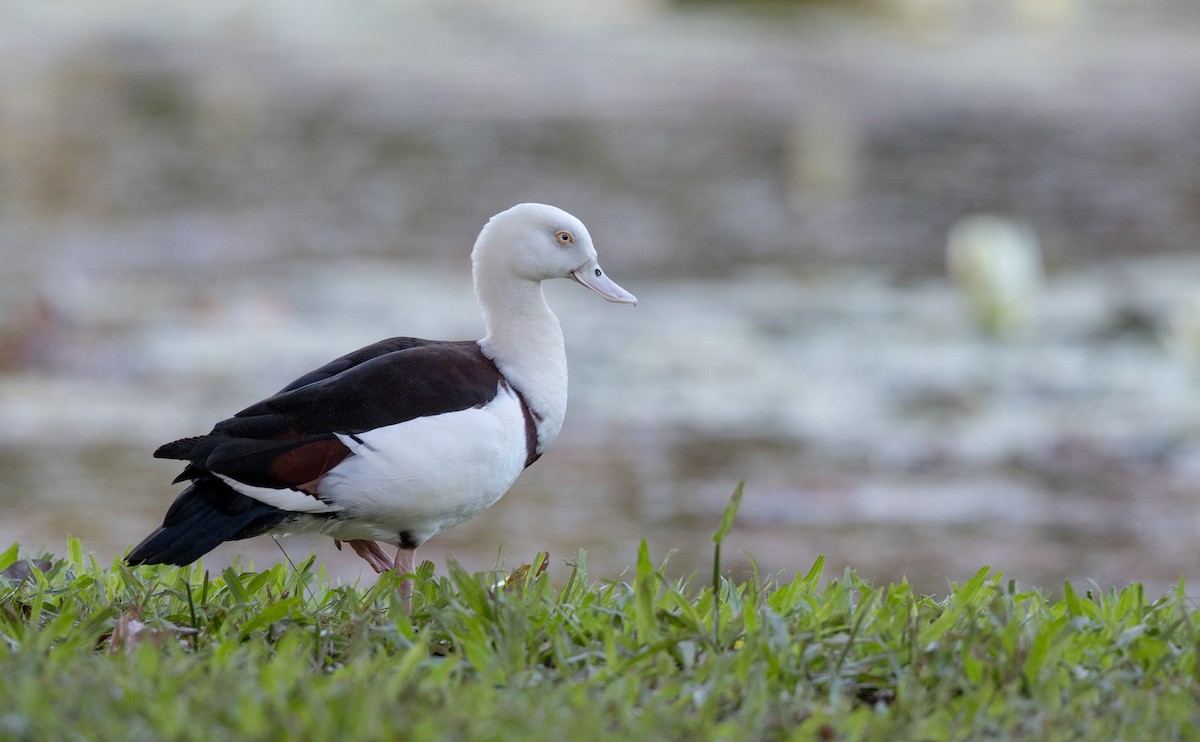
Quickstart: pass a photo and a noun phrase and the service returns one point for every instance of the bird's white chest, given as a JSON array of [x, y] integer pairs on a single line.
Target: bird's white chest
[[425, 475]]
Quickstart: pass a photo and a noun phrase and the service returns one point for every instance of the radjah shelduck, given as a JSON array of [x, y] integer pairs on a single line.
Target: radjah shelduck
[[402, 439]]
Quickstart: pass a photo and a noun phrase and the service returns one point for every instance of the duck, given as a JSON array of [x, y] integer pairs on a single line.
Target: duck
[[398, 441]]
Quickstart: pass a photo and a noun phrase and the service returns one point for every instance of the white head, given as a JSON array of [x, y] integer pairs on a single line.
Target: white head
[[536, 242]]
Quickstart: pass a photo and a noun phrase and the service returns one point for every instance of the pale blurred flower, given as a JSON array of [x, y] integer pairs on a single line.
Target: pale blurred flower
[[996, 265]]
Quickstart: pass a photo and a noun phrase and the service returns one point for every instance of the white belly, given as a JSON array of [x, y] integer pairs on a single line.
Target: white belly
[[425, 475]]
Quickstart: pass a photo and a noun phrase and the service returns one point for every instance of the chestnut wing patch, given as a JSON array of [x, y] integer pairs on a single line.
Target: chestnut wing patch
[[278, 463], [308, 462]]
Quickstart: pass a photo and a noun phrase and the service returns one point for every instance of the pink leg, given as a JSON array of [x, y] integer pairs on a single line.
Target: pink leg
[[403, 566], [372, 552]]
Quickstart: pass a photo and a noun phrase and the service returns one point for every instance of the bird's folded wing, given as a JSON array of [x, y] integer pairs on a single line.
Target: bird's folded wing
[[289, 440]]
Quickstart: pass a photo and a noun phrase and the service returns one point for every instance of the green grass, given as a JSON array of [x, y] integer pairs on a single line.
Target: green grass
[[283, 654]]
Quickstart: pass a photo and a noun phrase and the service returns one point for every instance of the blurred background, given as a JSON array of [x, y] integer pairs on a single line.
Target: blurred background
[[924, 273]]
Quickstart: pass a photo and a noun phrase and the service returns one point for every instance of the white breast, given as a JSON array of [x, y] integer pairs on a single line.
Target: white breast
[[428, 474]]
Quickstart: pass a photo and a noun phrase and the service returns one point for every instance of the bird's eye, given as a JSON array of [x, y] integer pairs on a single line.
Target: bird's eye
[[564, 237]]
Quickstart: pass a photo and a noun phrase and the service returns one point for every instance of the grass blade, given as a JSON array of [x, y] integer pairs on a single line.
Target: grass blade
[[731, 509]]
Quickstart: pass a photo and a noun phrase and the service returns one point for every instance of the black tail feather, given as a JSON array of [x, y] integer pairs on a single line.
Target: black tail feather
[[205, 515], [189, 472], [180, 449]]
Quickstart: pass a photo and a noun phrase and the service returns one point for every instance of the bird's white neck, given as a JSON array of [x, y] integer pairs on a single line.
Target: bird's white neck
[[525, 341]]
